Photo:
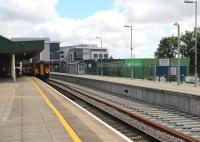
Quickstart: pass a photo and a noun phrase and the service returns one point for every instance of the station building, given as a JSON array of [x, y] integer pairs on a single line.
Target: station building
[[14, 51], [50, 53]]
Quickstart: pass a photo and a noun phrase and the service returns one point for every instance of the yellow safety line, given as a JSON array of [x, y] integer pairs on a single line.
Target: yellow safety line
[[67, 127]]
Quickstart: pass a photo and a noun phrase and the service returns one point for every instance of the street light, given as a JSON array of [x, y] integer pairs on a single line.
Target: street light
[[195, 33], [127, 26], [178, 78], [101, 54]]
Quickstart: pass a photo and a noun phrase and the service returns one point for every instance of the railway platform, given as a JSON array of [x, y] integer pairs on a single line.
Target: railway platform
[[169, 86], [184, 97], [31, 111], [172, 107]]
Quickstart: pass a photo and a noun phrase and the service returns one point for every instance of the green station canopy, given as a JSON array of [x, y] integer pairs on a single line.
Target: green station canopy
[[22, 49]]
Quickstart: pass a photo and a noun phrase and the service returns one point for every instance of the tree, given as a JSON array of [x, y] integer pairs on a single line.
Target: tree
[[187, 45], [167, 48], [187, 49]]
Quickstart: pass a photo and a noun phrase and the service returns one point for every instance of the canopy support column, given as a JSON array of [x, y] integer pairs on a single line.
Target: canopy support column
[[13, 74]]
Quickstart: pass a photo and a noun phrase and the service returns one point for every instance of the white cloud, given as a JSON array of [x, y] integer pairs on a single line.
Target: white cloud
[[151, 20], [154, 11], [33, 10]]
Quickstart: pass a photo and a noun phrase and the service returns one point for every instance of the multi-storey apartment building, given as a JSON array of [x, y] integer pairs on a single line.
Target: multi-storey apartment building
[[74, 56]]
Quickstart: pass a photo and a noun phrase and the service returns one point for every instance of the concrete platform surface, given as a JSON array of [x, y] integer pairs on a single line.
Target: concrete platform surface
[[184, 98], [26, 117], [183, 88]]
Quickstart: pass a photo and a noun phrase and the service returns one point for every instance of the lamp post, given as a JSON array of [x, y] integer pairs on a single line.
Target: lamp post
[[178, 76], [195, 33], [101, 54], [128, 26]]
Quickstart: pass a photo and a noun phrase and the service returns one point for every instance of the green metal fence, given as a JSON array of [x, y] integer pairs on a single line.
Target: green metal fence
[[143, 72], [142, 68]]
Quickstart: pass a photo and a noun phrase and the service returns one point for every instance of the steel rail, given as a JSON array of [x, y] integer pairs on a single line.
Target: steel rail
[[134, 115]]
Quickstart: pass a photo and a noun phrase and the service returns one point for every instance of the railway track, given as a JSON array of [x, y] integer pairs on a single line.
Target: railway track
[[131, 132], [150, 132]]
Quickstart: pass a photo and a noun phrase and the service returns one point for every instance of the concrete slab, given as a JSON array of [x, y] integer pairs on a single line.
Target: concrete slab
[[23, 113], [170, 118], [185, 97], [25, 116], [144, 83], [88, 128]]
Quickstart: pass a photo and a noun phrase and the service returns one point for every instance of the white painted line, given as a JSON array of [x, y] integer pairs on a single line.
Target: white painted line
[[89, 113]]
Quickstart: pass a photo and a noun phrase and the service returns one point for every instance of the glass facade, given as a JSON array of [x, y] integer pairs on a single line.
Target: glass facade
[[55, 56], [54, 51]]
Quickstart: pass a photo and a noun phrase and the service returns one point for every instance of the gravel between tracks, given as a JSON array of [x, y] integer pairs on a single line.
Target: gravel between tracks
[[150, 130]]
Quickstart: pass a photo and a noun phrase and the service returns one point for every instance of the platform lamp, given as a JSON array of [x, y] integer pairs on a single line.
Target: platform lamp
[[178, 76], [128, 26], [195, 33], [101, 54]]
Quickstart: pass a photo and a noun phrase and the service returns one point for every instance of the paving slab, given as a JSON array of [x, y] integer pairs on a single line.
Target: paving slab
[[25, 116], [87, 127]]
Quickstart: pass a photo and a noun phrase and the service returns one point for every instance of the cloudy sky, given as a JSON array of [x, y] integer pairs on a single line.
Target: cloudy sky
[[80, 21]]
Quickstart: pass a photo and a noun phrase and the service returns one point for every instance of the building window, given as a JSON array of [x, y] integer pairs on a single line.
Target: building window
[[100, 56], [94, 55], [51, 56], [105, 56], [70, 57]]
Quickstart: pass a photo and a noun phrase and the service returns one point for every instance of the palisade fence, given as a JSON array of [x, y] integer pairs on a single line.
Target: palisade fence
[[144, 72], [151, 72], [91, 70], [148, 69]]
